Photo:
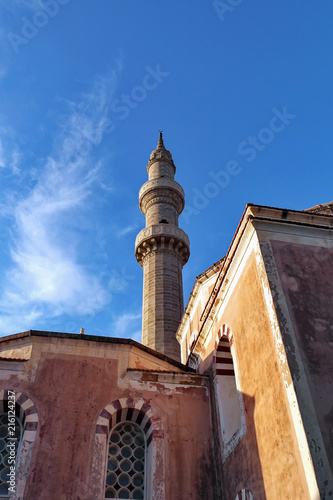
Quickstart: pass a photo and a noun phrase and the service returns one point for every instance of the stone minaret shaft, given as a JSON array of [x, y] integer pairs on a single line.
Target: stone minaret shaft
[[162, 249]]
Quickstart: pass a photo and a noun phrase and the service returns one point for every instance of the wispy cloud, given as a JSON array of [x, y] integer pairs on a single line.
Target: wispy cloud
[[9, 157], [14, 5], [126, 325], [47, 278], [126, 230]]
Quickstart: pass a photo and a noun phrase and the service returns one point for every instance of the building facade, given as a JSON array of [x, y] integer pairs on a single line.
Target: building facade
[[229, 399]]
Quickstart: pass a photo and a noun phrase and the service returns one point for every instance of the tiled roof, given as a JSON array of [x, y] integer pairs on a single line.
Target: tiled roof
[[325, 209]]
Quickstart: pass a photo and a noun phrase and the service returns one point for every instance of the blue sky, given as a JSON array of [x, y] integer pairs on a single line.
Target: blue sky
[[243, 93]]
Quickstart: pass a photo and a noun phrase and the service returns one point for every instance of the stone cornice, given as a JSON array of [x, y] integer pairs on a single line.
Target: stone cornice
[[162, 237], [156, 187]]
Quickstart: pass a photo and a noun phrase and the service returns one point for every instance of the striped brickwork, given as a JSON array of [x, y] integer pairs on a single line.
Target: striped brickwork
[[25, 410], [133, 410], [223, 358], [228, 393]]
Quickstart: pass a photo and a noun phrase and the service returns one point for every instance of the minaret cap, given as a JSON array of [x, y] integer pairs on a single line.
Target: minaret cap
[[160, 152]]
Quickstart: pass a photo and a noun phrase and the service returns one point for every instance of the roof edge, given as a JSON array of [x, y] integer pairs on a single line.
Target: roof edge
[[97, 338]]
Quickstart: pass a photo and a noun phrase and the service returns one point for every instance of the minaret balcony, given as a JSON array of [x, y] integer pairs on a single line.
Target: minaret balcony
[[157, 189], [164, 238]]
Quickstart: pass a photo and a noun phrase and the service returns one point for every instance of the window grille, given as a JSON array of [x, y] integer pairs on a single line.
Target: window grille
[[126, 462]]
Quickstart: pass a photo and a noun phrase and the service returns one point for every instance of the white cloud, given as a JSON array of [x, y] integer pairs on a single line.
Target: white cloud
[[13, 5], [126, 325], [137, 336], [9, 156], [14, 162], [47, 278], [126, 230]]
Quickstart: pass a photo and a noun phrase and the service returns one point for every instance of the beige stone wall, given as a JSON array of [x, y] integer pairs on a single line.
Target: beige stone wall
[[264, 456], [161, 169], [267, 460], [159, 212], [162, 302]]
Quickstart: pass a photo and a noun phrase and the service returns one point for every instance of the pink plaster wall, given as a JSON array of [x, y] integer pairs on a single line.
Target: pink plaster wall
[[70, 390]]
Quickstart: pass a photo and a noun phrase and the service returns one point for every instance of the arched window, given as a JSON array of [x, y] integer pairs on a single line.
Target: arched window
[[227, 390], [125, 476], [229, 398], [129, 426]]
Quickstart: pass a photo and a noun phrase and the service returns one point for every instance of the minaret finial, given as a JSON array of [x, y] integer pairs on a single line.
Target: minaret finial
[[160, 143]]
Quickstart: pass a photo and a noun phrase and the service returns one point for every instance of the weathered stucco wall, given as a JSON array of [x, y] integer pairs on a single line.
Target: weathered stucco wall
[[71, 381], [267, 459], [306, 277]]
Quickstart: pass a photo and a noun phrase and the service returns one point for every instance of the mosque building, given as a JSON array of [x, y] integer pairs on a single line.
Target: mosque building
[[227, 399]]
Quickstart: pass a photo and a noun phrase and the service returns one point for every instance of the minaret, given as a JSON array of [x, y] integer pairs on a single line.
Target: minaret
[[162, 249]]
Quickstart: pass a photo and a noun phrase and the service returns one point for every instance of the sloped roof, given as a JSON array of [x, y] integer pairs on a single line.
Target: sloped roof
[[324, 209]]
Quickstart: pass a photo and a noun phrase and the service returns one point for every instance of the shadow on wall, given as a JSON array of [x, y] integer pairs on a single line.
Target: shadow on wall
[[242, 473], [306, 276]]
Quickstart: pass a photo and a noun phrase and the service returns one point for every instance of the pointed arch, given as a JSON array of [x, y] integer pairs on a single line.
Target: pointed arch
[[224, 331], [228, 394], [134, 410]]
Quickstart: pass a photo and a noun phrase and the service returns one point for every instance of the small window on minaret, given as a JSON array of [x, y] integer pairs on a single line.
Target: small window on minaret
[[163, 221]]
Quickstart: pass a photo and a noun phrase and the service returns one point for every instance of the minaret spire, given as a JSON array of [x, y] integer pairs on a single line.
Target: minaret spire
[[160, 144], [162, 249]]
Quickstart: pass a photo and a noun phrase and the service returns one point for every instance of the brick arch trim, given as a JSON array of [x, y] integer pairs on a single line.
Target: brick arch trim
[[224, 331], [244, 495], [223, 361], [134, 410]]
